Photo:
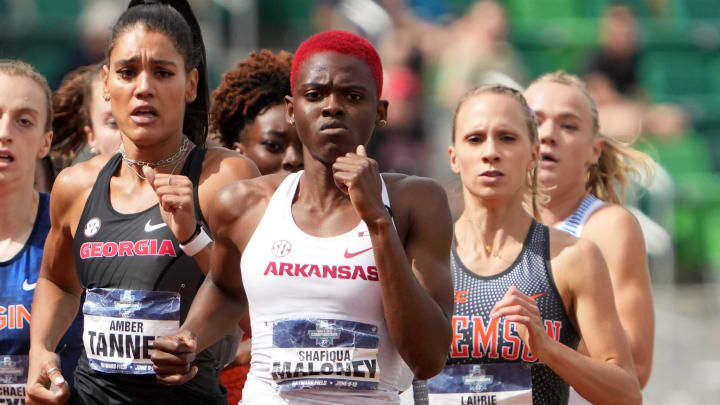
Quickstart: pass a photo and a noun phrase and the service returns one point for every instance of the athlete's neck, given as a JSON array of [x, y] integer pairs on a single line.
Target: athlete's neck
[[18, 209], [563, 202], [155, 152], [318, 188], [487, 227]]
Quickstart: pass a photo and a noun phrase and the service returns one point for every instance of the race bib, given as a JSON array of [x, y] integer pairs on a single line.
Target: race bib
[[326, 354], [482, 384], [13, 377], [121, 326]]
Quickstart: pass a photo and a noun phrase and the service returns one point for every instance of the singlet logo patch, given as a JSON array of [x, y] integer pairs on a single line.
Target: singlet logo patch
[[92, 227], [281, 248], [350, 255], [28, 286]]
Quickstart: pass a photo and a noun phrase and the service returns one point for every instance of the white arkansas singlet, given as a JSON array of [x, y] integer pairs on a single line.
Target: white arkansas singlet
[[318, 328]]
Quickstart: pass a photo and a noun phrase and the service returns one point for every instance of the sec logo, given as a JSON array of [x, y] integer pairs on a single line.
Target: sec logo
[[92, 227], [281, 248]]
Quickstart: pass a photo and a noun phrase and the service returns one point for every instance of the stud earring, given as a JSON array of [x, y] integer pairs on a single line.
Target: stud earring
[[382, 123]]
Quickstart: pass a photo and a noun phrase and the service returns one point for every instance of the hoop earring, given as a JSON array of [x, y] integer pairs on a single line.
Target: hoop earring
[[382, 123]]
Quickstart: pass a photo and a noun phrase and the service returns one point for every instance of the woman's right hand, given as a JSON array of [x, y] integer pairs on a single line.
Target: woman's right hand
[[46, 384], [172, 358]]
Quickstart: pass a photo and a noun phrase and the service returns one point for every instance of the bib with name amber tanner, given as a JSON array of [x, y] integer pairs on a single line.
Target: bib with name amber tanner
[[121, 325]]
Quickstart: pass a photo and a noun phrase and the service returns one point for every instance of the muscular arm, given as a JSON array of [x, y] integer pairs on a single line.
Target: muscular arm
[[620, 239], [606, 375], [220, 303], [58, 291], [225, 166], [415, 279]]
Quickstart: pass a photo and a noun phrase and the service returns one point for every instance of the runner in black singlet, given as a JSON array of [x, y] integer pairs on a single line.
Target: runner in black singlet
[[523, 293], [122, 218]]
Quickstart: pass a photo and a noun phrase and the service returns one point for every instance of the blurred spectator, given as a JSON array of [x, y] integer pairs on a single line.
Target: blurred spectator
[[618, 57], [625, 119], [94, 24], [478, 51]]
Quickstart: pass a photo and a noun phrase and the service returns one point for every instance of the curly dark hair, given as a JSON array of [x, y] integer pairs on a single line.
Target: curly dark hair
[[71, 113], [257, 83]]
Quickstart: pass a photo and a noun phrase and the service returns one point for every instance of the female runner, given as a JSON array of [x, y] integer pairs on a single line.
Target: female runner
[[25, 136], [83, 125], [135, 222], [248, 114], [524, 294], [319, 258], [581, 169]]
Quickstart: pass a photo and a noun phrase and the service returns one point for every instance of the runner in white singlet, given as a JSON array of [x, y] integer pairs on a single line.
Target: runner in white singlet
[[342, 285], [585, 174]]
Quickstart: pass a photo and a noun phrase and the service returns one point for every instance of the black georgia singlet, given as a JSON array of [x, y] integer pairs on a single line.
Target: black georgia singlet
[[488, 362], [130, 258]]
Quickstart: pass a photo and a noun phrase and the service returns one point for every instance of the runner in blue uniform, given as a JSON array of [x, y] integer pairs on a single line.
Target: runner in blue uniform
[[524, 294], [129, 229], [25, 135]]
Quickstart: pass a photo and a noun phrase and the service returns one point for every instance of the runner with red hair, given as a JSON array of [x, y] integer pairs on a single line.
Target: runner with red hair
[[324, 252]]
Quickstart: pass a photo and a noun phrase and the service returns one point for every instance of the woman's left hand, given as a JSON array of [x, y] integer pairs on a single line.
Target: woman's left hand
[[523, 310], [175, 195]]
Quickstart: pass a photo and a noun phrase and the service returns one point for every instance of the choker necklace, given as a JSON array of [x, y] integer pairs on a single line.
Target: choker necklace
[[159, 163]]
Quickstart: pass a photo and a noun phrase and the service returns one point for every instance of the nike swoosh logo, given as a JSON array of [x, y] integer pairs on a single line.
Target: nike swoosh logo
[[150, 228], [27, 286], [349, 255], [536, 296]]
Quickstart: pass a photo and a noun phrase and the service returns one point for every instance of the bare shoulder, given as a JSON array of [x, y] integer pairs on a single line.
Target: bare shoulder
[[403, 182], [611, 226], [573, 260], [238, 206], [243, 194], [418, 203], [223, 162], [74, 183], [415, 190]]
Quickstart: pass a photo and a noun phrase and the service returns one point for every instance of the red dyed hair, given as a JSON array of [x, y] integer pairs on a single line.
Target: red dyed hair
[[342, 42]]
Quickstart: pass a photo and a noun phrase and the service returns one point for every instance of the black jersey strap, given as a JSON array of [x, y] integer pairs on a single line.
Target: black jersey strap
[[193, 169]]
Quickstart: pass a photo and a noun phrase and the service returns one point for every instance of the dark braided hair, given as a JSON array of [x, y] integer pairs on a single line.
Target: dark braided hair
[[175, 19], [257, 83]]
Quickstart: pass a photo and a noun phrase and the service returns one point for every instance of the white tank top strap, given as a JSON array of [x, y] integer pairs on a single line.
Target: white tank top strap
[[385, 196], [575, 223]]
